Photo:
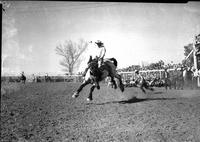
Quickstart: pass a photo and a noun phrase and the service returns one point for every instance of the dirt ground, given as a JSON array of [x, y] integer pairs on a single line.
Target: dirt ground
[[46, 112]]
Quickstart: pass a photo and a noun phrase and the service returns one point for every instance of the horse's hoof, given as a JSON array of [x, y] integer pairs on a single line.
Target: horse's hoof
[[98, 87], [89, 99], [122, 88], [75, 95]]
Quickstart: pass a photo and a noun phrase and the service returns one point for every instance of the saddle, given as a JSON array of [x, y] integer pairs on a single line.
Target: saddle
[[98, 72]]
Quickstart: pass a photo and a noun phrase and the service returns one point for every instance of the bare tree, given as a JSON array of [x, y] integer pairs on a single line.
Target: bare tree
[[71, 52]]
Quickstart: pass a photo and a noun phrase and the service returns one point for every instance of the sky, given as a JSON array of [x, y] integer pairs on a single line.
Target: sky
[[131, 32]]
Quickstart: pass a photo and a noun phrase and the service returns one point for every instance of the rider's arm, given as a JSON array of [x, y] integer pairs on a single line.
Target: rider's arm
[[102, 52]]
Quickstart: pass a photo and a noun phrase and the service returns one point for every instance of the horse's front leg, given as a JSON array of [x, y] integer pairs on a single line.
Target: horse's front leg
[[76, 94], [91, 91]]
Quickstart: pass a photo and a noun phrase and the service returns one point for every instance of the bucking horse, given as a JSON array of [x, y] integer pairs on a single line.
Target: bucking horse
[[107, 69]]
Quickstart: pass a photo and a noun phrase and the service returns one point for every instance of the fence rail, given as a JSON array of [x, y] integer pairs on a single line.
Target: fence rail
[[69, 78]]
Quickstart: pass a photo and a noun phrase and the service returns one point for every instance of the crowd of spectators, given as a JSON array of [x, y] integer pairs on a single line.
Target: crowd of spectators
[[130, 68], [152, 66], [176, 76]]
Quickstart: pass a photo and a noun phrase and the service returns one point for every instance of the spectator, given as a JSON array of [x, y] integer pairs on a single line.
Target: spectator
[[189, 78], [175, 78], [180, 80], [195, 76], [167, 81], [23, 77], [33, 78]]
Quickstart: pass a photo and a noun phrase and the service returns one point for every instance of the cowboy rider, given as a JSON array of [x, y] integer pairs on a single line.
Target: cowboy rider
[[22, 74], [100, 51], [140, 80]]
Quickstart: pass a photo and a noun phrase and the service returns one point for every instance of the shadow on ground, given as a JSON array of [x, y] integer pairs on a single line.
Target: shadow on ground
[[133, 100]]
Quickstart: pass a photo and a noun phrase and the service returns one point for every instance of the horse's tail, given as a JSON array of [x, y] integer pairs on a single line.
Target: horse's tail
[[114, 61]]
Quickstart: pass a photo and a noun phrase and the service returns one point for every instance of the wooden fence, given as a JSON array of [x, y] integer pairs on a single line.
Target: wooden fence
[[72, 78]]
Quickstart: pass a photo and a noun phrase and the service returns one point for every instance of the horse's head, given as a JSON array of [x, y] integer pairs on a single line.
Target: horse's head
[[93, 65]]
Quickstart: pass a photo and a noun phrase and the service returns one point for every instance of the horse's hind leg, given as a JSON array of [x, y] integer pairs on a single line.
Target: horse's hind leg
[[121, 85], [114, 82], [90, 94]]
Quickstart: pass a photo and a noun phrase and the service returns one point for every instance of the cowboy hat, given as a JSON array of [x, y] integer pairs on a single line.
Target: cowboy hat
[[99, 43]]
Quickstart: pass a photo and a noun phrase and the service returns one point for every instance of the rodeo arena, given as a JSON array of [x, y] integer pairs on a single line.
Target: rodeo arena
[[162, 106]]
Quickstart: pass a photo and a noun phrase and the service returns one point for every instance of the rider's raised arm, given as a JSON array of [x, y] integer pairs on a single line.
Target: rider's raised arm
[[102, 52]]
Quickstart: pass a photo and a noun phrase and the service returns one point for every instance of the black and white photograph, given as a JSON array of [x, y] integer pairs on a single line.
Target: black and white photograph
[[95, 71]]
